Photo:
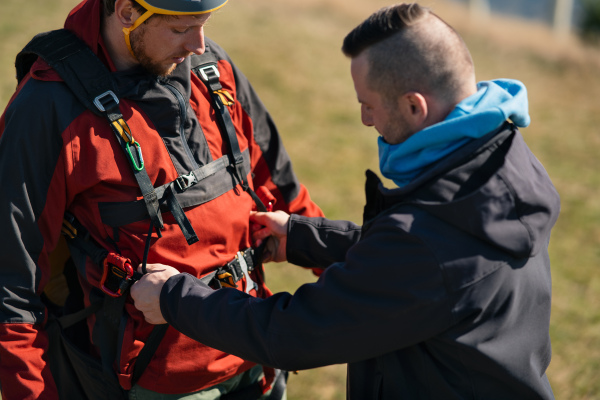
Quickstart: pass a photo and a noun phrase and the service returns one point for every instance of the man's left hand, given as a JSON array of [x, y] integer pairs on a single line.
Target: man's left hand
[[146, 291]]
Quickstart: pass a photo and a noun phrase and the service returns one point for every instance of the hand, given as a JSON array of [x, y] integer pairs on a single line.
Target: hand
[[146, 291], [273, 229]]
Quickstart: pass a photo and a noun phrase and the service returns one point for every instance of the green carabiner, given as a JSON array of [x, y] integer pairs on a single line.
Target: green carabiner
[[139, 152]]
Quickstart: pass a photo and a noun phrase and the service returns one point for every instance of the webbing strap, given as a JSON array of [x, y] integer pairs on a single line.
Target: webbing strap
[[93, 85], [145, 355], [206, 69], [206, 183], [69, 320], [73, 60]]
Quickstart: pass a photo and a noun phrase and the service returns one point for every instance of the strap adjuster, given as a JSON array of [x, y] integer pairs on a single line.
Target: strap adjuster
[[184, 182], [102, 104], [212, 69], [117, 276]]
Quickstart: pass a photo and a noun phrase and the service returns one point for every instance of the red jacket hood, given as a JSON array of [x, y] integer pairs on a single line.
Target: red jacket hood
[[84, 20]]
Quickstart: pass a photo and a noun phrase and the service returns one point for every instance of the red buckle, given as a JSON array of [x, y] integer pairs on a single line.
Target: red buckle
[[117, 274], [265, 195]]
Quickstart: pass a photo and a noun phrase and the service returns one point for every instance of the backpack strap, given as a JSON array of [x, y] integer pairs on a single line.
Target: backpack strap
[[92, 83], [205, 66]]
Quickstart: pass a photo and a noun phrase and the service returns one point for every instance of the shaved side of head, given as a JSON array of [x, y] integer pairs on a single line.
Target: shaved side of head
[[411, 49]]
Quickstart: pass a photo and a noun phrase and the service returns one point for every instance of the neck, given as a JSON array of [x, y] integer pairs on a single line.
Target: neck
[[440, 109]]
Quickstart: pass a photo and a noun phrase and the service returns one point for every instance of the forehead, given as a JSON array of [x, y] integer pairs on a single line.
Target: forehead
[[188, 20], [359, 69]]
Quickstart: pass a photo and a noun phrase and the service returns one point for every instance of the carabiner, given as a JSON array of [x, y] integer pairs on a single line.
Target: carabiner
[[139, 153]]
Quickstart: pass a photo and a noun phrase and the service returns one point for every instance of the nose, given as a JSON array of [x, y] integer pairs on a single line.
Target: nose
[[366, 116], [195, 42]]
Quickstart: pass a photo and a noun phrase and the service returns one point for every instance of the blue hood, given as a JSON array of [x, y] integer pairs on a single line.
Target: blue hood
[[474, 117]]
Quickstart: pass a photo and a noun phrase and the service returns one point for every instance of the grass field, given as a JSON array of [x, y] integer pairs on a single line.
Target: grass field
[[290, 51]]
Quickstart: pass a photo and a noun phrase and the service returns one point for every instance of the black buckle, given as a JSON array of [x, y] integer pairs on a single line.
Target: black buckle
[[237, 269]]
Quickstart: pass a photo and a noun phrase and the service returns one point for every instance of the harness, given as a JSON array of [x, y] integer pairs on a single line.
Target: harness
[[91, 82]]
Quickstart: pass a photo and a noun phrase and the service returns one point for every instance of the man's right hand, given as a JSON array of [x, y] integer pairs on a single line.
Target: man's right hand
[[273, 229]]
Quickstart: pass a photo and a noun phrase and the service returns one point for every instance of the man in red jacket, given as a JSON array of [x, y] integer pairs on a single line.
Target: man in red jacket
[[57, 156]]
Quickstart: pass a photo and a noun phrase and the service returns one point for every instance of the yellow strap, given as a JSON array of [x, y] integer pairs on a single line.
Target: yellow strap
[[138, 22], [123, 129], [226, 97], [226, 280], [68, 229]]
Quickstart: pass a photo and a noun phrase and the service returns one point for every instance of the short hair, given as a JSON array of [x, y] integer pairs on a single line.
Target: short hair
[[409, 48], [109, 7]]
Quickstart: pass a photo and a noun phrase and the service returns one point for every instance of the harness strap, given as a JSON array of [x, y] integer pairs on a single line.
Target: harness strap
[[206, 69], [198, 187], [93, 85]]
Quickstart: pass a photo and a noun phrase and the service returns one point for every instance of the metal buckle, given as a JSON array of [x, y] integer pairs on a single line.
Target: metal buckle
[[250, 284], [185, 181], [209, 67], [98, 103]]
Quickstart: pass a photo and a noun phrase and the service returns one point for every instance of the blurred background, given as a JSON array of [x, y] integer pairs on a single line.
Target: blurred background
[[290, 50]]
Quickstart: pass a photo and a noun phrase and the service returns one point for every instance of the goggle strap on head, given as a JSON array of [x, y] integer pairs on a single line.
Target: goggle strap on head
[[127, 31]]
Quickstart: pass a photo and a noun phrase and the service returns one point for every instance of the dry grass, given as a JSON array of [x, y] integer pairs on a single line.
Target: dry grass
[[290, 51]]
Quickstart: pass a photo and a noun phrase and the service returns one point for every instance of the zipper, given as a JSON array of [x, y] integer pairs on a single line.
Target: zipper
[[183, 115]]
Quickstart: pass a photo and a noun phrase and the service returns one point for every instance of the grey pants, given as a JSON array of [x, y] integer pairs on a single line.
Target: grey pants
[[212, 393]]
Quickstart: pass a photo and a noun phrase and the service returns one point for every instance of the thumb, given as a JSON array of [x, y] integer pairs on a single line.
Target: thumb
[[151, 268]]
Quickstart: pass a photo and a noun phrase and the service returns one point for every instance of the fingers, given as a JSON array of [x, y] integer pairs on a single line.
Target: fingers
[[276, 222], [261, 234], [164, 271], [146, 292]]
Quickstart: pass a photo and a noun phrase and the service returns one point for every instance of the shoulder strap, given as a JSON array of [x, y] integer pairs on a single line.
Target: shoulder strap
[[91, 82], [74, 61], [205, 66], [93, 85]]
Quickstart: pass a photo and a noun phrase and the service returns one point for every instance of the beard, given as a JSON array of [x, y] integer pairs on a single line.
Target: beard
[[396, 130], [139, 48]]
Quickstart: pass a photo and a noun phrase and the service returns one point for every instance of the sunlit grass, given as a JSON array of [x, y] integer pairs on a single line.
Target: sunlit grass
[[290, 50]]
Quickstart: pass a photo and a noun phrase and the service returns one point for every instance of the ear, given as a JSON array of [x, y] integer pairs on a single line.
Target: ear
[[125, 13], [415, 109]]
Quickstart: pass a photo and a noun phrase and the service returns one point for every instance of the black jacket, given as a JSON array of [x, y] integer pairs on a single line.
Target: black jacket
[[445, 294]]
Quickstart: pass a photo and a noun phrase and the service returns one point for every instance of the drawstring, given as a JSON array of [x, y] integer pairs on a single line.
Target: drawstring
[[147, 249]]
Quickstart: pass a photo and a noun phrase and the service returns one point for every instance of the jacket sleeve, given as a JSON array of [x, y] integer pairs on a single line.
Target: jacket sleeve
[[386, 295], [32, 181], [318, 242], [271, 164]]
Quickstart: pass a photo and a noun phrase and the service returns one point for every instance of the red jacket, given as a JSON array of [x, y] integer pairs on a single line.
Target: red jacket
[[56, 156]]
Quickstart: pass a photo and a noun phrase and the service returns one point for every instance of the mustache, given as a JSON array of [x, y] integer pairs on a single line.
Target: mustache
[[184, 55]]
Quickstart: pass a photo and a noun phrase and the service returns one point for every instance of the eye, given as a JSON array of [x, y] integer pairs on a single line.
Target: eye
[[179, 31]]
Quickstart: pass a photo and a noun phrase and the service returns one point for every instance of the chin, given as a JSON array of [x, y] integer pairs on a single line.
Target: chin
[[167, 71]]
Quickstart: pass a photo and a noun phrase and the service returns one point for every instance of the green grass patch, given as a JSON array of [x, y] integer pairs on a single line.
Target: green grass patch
[[291, 53]]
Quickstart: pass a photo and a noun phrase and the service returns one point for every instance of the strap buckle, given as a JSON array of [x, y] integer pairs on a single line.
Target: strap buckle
[[246, 269], [184, 182], [237, 269], [103, 104], [117, 276], [212, 69]]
